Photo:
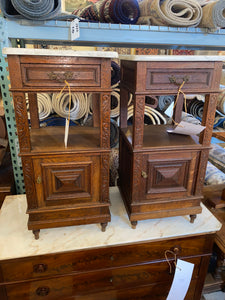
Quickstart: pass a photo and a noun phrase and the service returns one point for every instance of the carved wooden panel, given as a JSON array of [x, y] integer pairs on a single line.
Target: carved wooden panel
[[72, 181], [105, 120]]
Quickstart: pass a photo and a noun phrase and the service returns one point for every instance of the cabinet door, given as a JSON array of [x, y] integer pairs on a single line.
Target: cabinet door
[[67, 180], [169, 174]]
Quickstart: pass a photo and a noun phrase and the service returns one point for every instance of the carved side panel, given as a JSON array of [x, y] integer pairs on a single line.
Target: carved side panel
[[138, 125], [105, 121], [105, 177], [202, 169], [137, 179], [29, 181], [22, 121], [208, 118]]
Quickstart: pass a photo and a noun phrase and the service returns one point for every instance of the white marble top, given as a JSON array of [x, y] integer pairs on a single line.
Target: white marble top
[[17, 241], [50, 52], [172, 57]]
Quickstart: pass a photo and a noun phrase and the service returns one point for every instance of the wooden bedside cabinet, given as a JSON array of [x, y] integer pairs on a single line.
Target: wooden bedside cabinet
[[64, 186], [162, 174]]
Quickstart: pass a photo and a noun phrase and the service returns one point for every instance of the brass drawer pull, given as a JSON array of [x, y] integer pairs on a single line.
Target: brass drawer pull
[[176, 249], [43, 291], [174, 80], [60, 77], [144, 174], [40, 268], [39, 180]]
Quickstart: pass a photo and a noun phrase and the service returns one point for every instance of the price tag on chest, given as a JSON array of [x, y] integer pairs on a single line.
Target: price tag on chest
[[74, 29]]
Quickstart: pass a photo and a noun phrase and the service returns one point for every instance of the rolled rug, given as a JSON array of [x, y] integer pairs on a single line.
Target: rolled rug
[[115, 73], [164, 102], [213, 15], [221, 102], [121, 11], [182, 13], [115, 104], [33, 10]]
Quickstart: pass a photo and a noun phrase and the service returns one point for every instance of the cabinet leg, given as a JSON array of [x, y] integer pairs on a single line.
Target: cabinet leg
[[104, 225], [133, 224], [36, 234], [192, 218]]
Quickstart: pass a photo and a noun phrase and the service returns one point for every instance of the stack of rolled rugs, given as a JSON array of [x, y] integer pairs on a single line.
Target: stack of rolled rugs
[[183, 13], [178, 13]]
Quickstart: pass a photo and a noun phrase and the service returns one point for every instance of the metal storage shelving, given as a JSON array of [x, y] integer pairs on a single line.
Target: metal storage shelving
[[92, 34]]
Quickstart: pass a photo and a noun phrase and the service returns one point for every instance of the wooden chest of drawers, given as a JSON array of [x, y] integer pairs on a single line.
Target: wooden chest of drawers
[[65, 185], [86, 264], [161, 174]]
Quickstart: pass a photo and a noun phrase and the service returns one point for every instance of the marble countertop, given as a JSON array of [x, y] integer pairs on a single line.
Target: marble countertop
[[50, 52], [172, 57], [17, 241]]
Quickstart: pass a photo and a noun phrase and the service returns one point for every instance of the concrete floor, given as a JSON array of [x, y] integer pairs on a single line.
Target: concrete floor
[[214, 296]]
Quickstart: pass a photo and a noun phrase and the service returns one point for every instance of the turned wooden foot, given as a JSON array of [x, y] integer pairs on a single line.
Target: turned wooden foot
[[133, 224], [36, 234], [192, 218], [104, 225]]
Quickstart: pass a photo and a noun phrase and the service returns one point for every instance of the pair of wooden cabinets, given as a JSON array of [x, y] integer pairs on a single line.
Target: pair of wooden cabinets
[[160, 174]]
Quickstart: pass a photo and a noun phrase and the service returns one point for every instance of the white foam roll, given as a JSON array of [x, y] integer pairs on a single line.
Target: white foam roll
[[79, 105], [116, 110], [155, 116], [44, 103]]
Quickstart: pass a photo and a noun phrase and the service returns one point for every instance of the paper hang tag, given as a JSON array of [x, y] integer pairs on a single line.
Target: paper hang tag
[[181, 280], [74, 29], [67, 125], [186, 128]]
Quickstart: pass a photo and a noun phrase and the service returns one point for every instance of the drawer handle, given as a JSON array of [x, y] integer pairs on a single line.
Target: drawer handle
[[144, 174], [42, 291], [39, 180], [40, 268], [174, 80], [60, 77], [176, 250]]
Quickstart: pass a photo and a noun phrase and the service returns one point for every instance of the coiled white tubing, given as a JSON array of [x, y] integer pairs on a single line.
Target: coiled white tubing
[[45, 108], [149, 112], [115, 112], [80, 105]]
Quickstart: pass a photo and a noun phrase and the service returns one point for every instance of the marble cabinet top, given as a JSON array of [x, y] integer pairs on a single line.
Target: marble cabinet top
[[172, 57], [17, 241], [50, 52]]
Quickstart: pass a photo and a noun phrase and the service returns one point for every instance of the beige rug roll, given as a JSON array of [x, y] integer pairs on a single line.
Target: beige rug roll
[[213, 15], [181, 13]]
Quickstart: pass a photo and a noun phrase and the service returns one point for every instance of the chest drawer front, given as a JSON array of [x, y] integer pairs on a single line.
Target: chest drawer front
[[102, 258], [92, 282], [51, 75]]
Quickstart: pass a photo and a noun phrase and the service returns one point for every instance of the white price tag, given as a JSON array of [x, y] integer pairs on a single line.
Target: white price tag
[[67, 125], [74, 29], [186, 128], [181, 280]]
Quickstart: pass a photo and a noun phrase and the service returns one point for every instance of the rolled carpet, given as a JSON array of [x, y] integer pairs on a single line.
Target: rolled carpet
[[221, 102], [213, 15], [31, 9], [115, 73], [164, 102], [111, 11], [182, 13]]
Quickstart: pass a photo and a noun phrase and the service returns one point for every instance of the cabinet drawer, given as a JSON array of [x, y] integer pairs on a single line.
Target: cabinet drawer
[[172, 78], [51, 75], [102, 258], [92, 282]]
